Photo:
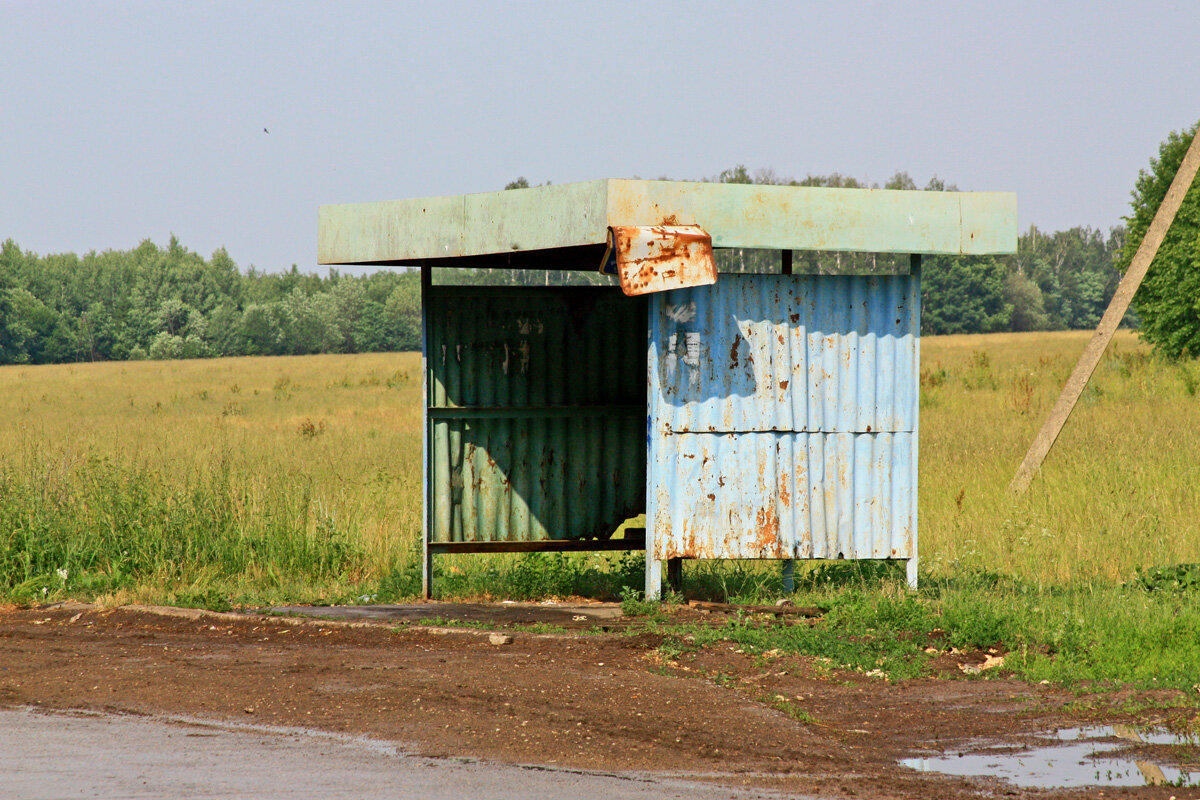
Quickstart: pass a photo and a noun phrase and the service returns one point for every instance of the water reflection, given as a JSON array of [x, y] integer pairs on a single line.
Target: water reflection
[[1070, 758]]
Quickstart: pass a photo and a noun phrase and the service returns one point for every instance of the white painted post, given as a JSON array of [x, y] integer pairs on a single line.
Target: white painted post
[[653, 576]]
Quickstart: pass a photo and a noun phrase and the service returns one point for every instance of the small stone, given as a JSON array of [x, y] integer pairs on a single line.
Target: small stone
[[499, 638]]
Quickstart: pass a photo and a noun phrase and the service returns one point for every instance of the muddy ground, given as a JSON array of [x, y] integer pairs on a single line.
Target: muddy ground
[[598, 699]]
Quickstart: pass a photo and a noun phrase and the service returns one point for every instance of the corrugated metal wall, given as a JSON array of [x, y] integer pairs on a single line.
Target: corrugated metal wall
[[783, 414], [537, 401]]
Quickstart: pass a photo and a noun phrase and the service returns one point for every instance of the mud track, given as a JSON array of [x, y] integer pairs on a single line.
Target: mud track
[[603, 701]]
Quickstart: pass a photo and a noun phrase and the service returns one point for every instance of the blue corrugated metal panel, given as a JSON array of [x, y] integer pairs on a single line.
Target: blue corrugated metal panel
[[538, 407], [783, 495], [786, 353], [783, 412]]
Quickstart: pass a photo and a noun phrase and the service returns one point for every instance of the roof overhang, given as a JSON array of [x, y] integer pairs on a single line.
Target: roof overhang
[[579, 215]]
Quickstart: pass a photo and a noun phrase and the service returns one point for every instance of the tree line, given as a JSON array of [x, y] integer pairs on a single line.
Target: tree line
[[159, 303], [153, 302]]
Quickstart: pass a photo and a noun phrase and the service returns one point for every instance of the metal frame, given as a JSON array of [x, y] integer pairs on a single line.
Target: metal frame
[[910, 567], [426, 438], [434, 395]]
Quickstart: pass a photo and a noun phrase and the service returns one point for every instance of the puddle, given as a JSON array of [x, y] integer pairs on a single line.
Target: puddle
[[1070, 758]]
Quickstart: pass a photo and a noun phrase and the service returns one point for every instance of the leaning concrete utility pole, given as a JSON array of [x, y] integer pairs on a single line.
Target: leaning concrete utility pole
[[1112, 318]]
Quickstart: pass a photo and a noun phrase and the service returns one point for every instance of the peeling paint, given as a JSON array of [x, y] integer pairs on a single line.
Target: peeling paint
[[798, 439], [661, 257]]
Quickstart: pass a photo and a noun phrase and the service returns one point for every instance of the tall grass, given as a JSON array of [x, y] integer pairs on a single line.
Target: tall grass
[[1118, 492], [260, 479], [215, 482], [267, 480]]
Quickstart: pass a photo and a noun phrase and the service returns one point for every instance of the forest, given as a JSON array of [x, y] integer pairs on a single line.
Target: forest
[[170, 302]]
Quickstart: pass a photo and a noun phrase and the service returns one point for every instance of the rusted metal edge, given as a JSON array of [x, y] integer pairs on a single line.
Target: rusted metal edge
[[661, 257]]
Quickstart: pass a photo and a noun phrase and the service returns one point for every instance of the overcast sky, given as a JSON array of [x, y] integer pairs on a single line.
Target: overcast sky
[[125, 121]]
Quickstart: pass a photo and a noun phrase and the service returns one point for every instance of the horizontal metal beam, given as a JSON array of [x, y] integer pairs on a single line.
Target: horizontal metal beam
[[634, 539], [736, 215]]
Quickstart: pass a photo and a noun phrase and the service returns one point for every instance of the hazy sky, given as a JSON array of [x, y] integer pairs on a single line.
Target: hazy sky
[[125, 121]]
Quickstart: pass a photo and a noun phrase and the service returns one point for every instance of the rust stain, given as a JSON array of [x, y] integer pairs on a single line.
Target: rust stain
[[783, 384], [766, 530], [667, 256]]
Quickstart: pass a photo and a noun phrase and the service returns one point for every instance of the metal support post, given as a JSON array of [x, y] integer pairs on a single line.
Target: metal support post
[[787, 571], [914, 268], [426, 443], [675, 574], [653, 574]]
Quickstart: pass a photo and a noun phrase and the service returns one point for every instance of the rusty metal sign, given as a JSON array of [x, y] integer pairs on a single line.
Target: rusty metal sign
[[660, 257]]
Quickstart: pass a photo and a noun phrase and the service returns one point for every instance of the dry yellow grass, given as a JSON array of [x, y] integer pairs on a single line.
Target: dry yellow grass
[[1120, 490], [340, 435]]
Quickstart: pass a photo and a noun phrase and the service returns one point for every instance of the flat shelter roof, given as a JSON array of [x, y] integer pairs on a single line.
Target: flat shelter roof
[[573, 215]]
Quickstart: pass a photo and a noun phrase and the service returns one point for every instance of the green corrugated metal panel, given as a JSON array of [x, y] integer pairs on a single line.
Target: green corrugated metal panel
[[736, 215], [538, 404]]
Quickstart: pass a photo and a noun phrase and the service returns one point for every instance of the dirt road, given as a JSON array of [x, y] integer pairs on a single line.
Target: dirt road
[[589, 701]]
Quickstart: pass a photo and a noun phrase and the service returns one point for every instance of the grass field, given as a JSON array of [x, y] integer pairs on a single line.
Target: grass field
[[250, 478], [259, 480]]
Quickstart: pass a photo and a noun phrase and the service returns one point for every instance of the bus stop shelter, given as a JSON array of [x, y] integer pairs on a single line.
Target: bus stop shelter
[[770, 415]]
